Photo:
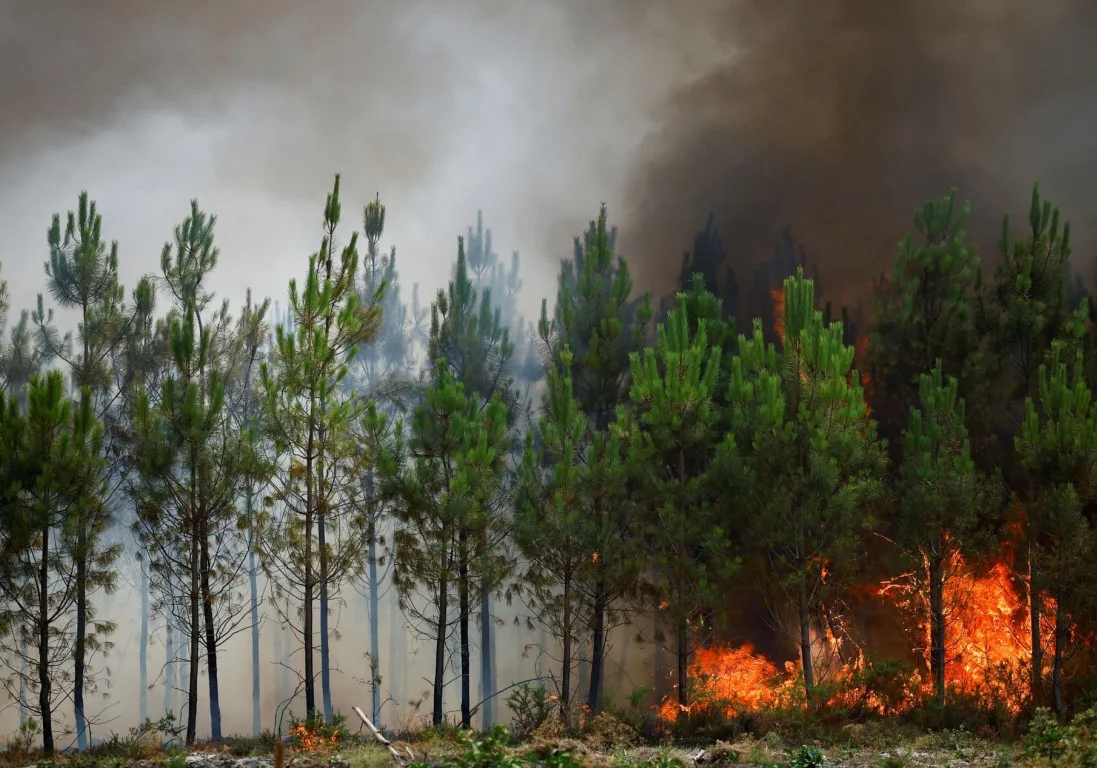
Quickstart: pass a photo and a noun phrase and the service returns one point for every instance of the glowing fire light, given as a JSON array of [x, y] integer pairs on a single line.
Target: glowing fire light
[[778, 296], [987, 642], [311, 741]]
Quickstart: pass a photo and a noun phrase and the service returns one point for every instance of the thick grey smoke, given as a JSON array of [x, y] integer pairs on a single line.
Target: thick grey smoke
[[529, 110], [838, 118]]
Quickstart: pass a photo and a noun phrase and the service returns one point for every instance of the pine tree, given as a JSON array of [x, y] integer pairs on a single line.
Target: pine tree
[[1058, 449], [552, 499], [56, 447], [674, 389], [456, 450], [382, 379], [83, 275], [804, 442], [312, 545], [1020, 315], [191, 464], [597, 322], [941, 494], [468, 334], [926, 314], [245, 401]]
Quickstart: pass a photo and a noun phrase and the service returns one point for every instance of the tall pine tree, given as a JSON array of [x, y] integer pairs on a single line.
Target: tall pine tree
[[803, 443]]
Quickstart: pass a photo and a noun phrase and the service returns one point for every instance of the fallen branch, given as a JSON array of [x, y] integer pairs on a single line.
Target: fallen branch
[[400, 761]]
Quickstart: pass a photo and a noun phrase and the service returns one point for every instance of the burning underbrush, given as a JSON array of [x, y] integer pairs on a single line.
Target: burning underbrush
[[988, 654]]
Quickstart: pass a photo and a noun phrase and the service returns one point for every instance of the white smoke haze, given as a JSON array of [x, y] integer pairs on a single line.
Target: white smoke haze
[[530, 111]]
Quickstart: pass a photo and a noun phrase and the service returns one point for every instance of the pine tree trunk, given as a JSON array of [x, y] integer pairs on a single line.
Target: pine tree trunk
[[598, 644], [23, 672], [211, 648], [253, 583], [805, 644], [169, 673], [1034, 612], [487, 661], [463, 618], [565, 673], [80, 649], [442, 604], [325, 643], [81, 558], [937, 622], [195, 640], [683, 627], [392, 667], [310, 500], [683, 665], [44, 691], [374, 630], [143, 651]]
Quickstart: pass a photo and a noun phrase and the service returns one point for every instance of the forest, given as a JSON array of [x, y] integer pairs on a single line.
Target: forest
[[846, 513]]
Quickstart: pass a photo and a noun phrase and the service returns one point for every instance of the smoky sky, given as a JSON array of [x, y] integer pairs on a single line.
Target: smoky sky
[[531, 111], [839, 117]]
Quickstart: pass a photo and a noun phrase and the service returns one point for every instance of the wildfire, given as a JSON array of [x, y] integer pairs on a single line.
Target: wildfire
[[987, 649], [987, 629], [778, 296], [312, 741], [731, 679]]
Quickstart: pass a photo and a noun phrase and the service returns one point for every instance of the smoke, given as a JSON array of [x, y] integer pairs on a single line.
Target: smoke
[[839, 118], [531, 111]]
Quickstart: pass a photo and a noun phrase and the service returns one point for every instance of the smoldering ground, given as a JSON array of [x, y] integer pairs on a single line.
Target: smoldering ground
[[838, 118]]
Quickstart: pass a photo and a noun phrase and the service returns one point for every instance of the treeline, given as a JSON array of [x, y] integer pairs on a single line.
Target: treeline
[[604, 463]]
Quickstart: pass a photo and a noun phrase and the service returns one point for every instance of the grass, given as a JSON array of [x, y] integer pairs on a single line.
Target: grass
[[608, 741]]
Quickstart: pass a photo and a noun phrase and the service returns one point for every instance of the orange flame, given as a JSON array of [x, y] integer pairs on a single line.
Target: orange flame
[[778, 296], [311, 741], [987, 649]]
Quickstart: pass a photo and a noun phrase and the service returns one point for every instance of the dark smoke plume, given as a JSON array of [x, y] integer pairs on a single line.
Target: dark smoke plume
[[838, 117]]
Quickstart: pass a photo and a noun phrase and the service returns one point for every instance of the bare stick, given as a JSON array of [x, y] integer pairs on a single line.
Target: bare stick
[[400, 761]]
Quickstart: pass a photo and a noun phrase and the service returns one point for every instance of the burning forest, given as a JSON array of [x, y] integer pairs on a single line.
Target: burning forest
[[834, 469]]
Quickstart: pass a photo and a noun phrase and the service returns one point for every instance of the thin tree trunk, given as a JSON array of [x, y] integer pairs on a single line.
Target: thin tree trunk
[[374, 628], [683, 627], [325, 645], [1034, 612], [211, 648], [683, 667], [937, 622], [805, 645], [565, 673], [195, 640], [80, 650], [81, 558], [598, 645], [463, 618], [440, 649], [169, 669], [44, 691], [310, 500], [397, 660], [487, 661], [143, 651], [253, 583]]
